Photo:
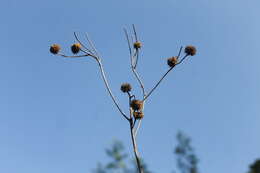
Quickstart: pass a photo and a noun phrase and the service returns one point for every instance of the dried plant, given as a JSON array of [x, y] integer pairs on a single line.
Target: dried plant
[[136, 106]]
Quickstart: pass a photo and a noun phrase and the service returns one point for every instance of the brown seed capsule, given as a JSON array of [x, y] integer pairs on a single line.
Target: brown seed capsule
[[126, 87], [190, 50], [172, 61], [136, 105], [55, 48], [137, 45], [75, 48], [138, 115]]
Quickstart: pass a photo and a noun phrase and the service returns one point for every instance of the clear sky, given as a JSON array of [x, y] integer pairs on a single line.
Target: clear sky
[[56, 116]]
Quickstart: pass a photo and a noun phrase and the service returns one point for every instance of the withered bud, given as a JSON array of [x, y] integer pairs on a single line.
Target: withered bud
[[172, 61], [75, 48], [190, 50], [138, 115], [137, 45], [126, 87], [136, 105], [55, 48]]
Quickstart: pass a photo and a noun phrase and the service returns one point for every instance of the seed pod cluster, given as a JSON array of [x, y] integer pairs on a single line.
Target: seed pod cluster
[[126, 87], [75, 48], [55, 48], [138, 115], [172, 61], [137, 45], [136, 105], [190, 50]]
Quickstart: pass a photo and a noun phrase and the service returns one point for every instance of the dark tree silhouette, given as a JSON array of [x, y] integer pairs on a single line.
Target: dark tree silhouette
[[118, 160], [255, 167], [186, 159]]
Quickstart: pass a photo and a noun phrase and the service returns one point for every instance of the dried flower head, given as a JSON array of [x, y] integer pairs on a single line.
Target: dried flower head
[[172, 61], [138, 115], [126, 87], [75, 48], [136, 105], [55, 48], [190, 50], [137, 45]]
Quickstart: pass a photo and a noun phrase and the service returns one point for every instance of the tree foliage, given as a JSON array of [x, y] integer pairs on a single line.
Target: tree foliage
[[186, 159], [255, 167], [118, 161]]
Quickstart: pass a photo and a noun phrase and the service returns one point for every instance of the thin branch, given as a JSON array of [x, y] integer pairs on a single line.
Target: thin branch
[[129, 47], [130, 109], [136, 59], [74, 56], [85, 47], [140, 81], [108, 88], [157, 84], [138, 127], [139, 122], [136, 39], [179, 53], [182, 59], [137, 158], [164, 76], [134, 55], [132, 66], [137, 52], [132, 124], [92, 45]]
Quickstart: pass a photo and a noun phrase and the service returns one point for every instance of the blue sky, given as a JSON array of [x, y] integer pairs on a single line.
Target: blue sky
[[56, 117]]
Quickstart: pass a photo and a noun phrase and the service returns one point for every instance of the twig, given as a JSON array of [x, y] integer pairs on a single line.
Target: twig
[[140, 81], [137, 52], [138, 127], [137, 158], [130, 109], [157, 84], [85, 47], [129, 47], [108, 88], [134, 123], [133, 137], [179, 53], [135, 32], [136, 59], [132, 66], [182, 59], [92, 45], [104, 76], [75, 56], [104, 79]]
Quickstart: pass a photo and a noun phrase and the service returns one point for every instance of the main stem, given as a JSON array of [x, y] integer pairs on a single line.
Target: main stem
[[137, 158]]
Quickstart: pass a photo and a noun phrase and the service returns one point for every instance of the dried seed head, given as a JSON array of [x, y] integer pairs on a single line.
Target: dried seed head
[[126, 87], [136, 105], [190, 50], [75, 48], [137, 45], [138, 115], [172, 61], [55, 48]]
